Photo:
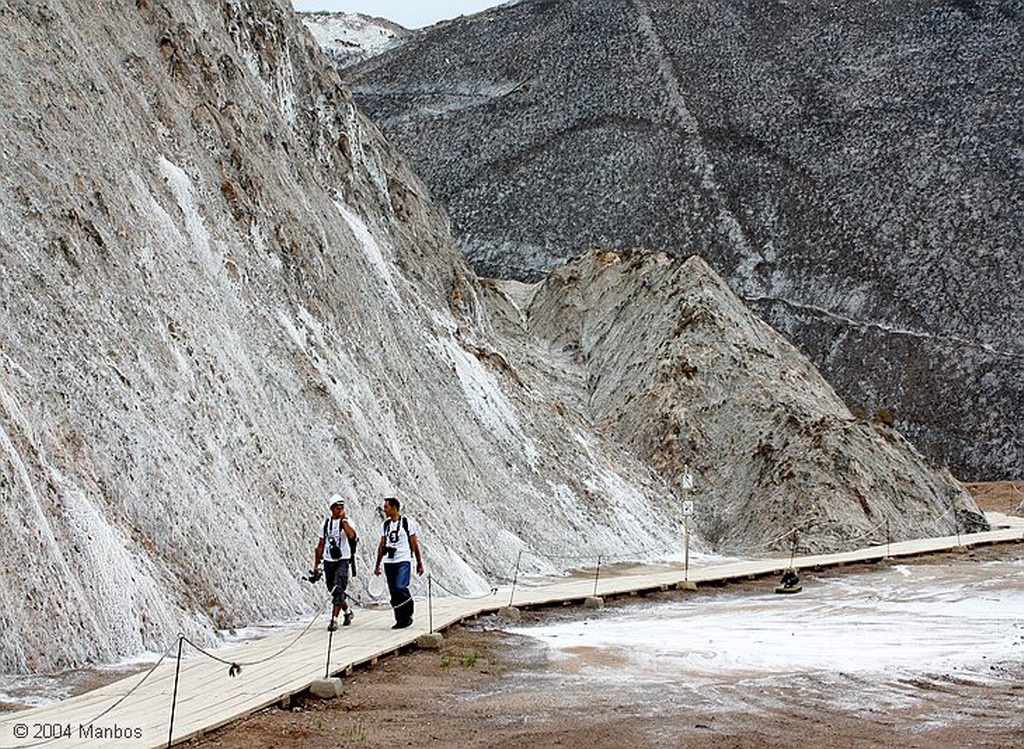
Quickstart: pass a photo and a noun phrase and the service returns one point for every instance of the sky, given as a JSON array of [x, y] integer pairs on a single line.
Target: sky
[[412, 14]]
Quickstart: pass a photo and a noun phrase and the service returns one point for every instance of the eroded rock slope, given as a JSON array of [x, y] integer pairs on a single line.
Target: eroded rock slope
[[680, 370]]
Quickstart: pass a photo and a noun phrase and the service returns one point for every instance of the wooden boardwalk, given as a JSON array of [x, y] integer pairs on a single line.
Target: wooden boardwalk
[[135, 713]]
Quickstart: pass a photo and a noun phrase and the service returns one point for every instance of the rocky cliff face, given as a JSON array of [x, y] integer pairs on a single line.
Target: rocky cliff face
[[227, 297], [854, 171]]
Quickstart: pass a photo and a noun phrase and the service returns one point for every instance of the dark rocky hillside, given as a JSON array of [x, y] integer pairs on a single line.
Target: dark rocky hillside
[[854, 170]]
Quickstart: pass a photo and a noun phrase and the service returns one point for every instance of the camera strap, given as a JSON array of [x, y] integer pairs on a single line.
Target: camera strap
[[404, 522], [328, 537]]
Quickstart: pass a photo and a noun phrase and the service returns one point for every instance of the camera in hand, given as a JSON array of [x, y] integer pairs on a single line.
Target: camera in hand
[[390, 551], [313, 576]]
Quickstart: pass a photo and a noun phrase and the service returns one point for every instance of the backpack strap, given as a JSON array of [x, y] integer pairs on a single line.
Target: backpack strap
[[405, 527]]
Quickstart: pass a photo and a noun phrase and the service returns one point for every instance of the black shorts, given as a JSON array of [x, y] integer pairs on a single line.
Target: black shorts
[[336, 577]]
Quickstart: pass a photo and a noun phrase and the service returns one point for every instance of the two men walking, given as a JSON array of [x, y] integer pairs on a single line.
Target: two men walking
[[396, 550]]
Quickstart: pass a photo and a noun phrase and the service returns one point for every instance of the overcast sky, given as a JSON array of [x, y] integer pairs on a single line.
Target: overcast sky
[[412, 14]]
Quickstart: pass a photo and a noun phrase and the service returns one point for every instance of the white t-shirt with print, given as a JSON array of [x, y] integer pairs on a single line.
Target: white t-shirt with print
[[394, 534], [335, 529]]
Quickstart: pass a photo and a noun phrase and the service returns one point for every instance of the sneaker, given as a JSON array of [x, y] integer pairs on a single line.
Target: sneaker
[[348, 619], [333, 625]]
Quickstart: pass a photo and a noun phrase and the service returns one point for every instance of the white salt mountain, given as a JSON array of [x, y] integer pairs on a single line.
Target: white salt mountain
[[226, 297]]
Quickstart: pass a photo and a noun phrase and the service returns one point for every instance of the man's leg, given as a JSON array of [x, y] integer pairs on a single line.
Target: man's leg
[[403, 611], [391, 574], [331, 578], [340, 592]]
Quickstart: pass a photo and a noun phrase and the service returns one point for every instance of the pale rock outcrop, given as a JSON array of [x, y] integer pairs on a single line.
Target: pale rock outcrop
[[350, 38], [676, 367]]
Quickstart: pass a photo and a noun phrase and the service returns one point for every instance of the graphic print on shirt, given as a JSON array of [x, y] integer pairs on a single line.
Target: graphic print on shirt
[[336, 543], [396, 535]]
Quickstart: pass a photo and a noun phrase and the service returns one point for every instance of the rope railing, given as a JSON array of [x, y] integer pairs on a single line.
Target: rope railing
[[464, 597], [109, 709], [948, 511], [870, 531], [235, 667], [787, 534], [586, 559]]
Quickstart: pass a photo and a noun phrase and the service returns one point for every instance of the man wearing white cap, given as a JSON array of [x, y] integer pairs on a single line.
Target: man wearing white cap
[[334, 540]]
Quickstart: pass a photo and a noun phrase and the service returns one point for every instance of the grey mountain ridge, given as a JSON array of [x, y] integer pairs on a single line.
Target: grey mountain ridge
[[853, 170], [227, 296]]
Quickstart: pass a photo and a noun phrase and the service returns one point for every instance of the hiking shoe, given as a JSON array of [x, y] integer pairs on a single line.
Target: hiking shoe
[[333, 625], [347, 620], [402, 624]]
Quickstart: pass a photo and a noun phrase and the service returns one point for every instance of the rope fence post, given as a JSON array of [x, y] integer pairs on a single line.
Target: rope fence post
[[174, 693], [430, 603], [330, 642], [597, 574], [956, 524], [330, 639], [687, 511], [515, 578]]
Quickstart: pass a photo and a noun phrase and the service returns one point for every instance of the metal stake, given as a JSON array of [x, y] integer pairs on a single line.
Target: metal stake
[[515, 577], [174, 694], [430, 602]]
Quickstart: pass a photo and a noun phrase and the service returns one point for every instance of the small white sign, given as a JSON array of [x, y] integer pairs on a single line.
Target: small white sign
[[688, 481], [687, 506]]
